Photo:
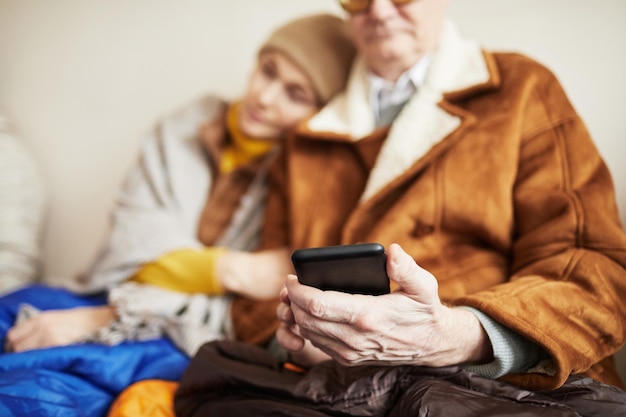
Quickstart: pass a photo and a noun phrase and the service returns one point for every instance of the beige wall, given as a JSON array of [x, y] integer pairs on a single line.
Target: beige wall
[[85, 79]]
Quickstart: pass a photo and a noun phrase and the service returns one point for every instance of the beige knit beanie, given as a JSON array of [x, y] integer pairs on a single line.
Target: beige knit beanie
[[321, 46]]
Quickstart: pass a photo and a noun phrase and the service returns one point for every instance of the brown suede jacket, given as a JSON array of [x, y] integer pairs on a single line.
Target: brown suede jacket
[[490, 180]]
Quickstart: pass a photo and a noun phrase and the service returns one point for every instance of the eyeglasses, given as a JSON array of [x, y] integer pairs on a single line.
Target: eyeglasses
[[359, 6]]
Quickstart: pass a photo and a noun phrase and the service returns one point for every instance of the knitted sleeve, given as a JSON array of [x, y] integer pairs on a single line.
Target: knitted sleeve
[[512, 352]]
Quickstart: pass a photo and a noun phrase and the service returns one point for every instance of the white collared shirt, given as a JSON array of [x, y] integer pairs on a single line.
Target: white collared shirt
[[385, 93]]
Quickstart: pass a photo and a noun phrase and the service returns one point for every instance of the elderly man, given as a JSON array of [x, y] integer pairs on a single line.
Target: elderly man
[[505, 249], [478, 166]]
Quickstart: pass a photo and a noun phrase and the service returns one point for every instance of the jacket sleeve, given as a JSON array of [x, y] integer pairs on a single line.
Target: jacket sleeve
[[568, 276]]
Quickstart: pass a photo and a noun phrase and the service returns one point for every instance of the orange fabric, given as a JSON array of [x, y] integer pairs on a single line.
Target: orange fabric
[[152, 397]]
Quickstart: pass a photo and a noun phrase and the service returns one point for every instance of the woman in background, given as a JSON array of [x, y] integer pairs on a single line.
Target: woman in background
[[191, 210]]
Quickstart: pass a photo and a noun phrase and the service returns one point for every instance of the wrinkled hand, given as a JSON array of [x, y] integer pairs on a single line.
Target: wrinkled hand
[[256, 275], [408, 326], [57, 328]]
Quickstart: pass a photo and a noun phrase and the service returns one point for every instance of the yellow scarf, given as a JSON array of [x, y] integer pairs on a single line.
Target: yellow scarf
[[242, 149]]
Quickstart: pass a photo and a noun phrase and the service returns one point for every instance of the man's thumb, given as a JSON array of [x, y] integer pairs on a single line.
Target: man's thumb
[[404, 271]]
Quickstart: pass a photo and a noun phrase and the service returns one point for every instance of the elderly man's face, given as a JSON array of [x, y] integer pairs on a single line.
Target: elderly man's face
[[397, 35]]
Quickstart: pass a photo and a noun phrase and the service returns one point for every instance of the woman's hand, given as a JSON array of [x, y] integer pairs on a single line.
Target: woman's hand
[[256, 275], [57, 328], [408, 326]]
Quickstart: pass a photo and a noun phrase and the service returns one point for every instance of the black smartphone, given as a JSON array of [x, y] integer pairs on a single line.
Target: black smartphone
[[358, 269]]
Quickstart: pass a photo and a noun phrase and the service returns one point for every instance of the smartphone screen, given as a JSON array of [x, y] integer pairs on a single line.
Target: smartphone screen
[[358, 269]]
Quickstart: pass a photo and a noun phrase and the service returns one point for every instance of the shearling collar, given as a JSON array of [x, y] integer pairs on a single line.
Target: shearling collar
[[458, 65]]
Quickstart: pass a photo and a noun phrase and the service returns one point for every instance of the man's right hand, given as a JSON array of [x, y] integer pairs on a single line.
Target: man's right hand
[[408, 326]]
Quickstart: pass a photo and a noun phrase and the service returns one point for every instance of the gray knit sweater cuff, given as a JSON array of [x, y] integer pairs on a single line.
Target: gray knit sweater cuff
[[511, 352]]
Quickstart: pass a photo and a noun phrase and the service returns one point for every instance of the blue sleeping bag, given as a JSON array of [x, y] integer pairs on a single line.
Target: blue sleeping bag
[[76, 380]]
